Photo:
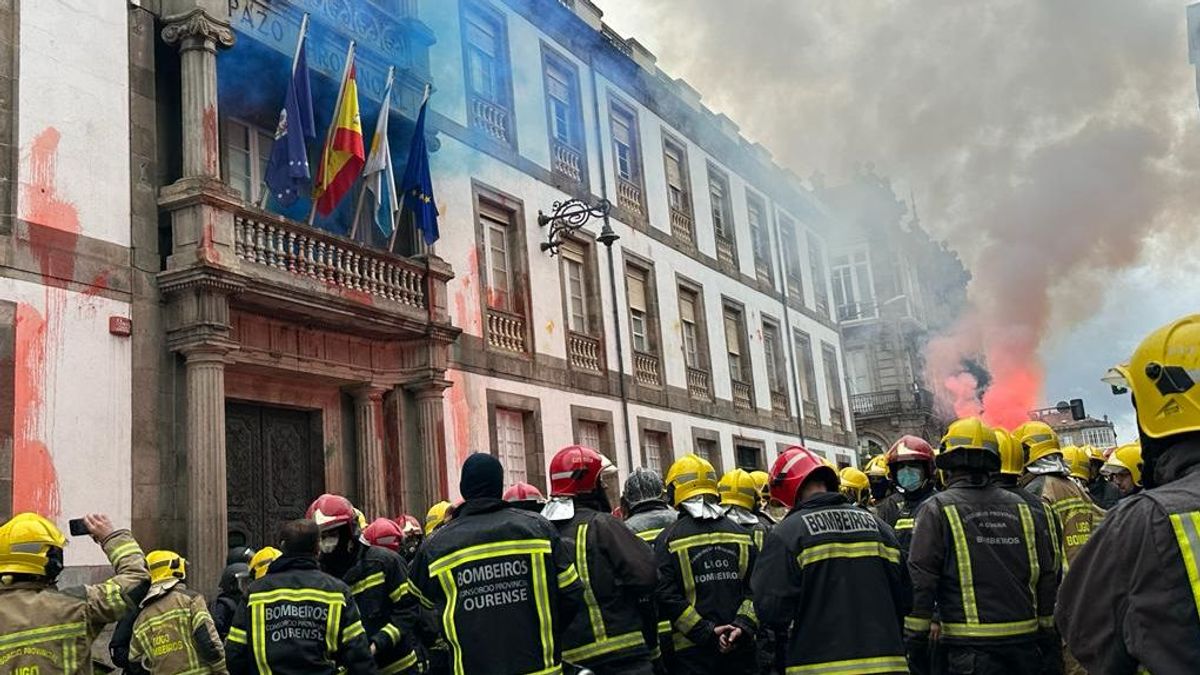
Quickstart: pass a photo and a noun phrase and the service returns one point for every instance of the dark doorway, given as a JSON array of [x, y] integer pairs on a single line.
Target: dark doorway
[[274, 469]]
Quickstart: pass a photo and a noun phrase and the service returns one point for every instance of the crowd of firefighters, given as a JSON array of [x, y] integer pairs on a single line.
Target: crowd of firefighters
[[994, 552]]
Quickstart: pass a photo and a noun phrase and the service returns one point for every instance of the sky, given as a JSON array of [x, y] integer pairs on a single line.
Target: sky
[[1054, 145]]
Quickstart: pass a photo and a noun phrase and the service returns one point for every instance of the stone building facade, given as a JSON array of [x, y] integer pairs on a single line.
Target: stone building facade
[[195, 360], [893, 287]]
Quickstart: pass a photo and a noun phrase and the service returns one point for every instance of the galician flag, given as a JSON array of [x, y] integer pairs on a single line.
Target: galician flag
[[343, 156], [378, 174]]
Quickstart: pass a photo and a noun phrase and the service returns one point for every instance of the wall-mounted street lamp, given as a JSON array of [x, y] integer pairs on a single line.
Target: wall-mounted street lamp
[[571, 215]]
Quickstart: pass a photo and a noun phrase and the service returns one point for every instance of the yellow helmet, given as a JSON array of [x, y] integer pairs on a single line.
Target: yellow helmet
[[361, 519], [690, 476], [1162, 375], [1037, 440], [31, 544], [436, 517], [1128, 458], [762, 482], [853, 478], [969, 443], [262, 560], [877, 467], [165, 566], [1095, 454], [1012, 459], [737, 488], [1077, 460]]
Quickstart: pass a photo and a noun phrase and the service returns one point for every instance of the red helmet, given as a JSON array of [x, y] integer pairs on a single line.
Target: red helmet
[[330, 511], [575, 470], [409, 525], [385, 533], [523, 492], [792, 468], [910, 449]]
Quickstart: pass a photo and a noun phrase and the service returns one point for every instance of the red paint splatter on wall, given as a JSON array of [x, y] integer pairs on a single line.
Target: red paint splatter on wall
[[210, 140], [208, 253], [460, 415], [35, 482], [53, 243]]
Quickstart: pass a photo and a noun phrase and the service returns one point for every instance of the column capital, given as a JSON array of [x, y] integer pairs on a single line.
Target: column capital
[[428, 388], [367, 392], [197, 29], [208, 351]]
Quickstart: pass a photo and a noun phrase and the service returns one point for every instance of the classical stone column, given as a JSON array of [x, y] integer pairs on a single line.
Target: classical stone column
[[198, 32], [207, 516], [372, 466], [432, 434]]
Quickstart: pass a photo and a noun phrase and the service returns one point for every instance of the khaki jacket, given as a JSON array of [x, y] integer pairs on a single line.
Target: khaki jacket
[[1073, 507], [49, 631], [175, 635]]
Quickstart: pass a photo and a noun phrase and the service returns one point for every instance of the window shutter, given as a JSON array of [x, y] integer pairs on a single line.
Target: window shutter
[[687, 308], [732, 337], [636, 284]]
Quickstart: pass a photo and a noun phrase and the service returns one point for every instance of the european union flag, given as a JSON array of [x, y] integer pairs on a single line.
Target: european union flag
[[287, 169], [416, 186]]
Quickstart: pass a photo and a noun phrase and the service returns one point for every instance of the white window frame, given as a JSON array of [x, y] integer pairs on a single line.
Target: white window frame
[[853, 280], [591, 435], [475, 16], [639, 316], [677, 191], [690, 329], [652, 450], [718, 194], [771, 349], [510, 445], [625, 152], [733, 345], [259, 142], [561, 130], [495, 230], [574, 262]]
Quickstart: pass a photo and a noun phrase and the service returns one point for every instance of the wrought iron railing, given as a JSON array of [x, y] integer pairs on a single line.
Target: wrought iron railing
[[505, 330], [890, 402], [567, 161], [852, 311], [629, 195], [583, 351], [645, 368], [491, 118], [681, 226], [271, 241], [743, 395], [697, 382]]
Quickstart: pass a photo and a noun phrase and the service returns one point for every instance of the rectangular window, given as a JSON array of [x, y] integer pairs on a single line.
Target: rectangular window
[[625, 145], [708, 449], [749, 457], [791, 256], [484, 43], [499, 262], [756, 213], [574, 265], [853, 292], [510, 444], [591, 435], [718, 193], [804, 360], [858, 365], [738, 369], [816, 259], [635, 286], [689, 327], [833, 382], [561, 97], [774, 357], [677, 187], [247, 150], [656, 451]]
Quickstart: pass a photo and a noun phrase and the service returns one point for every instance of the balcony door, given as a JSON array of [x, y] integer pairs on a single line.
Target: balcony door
[[859, 373]]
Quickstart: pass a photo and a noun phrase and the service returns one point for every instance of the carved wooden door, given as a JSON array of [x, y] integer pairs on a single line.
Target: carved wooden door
[[273, 469]]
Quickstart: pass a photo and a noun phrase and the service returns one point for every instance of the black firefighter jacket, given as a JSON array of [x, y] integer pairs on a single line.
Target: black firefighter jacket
[[984, 558], [298, 619], [1132, 598], [899, 511], [504, 586], [378, 579], [704, 569], [617, 571], [822, 570]]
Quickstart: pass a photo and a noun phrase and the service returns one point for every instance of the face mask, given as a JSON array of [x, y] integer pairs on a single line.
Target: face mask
[[910, 478], [329, 543]]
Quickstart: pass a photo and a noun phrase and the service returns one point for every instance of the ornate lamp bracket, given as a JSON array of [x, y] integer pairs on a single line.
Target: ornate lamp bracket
[[567, 217]]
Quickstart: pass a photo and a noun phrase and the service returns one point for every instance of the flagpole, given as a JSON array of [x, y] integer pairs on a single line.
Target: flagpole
[[312, 212], [395, 221], [262, 199], [362, 189]]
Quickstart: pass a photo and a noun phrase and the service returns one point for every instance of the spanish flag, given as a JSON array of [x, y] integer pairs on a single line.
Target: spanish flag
[[343, 156]]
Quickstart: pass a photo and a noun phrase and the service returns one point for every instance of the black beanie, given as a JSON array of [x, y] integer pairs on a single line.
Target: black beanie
[[482, 477]]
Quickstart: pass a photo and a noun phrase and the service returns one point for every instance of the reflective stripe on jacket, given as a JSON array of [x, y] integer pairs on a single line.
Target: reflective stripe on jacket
[[378, 580], [1073, 507], [503, 585], [47, 631], [984, 558], [899, 511], [175, 635]]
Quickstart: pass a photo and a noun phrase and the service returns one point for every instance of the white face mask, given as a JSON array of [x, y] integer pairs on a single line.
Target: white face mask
[[328, 543]]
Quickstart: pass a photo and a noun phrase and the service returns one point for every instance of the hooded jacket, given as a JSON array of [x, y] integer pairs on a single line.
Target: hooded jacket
[[616, 571], [174, 634], [1141, 567], [503, 585], [49, 631], [298, 619], [824, 568], [648, 518]]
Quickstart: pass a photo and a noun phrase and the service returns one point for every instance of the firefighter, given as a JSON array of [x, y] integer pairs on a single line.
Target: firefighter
[[413, 533], [260, 564], [1103, 492], [298, 619], [231, 592], [855, 485], [525, 496], [740, 495], [45, 630], [1078, 467], [1012, 460], [646, 512], [616, 569], [378, 580], [1046, 476], [983, 559], [384, 533], [174, 632], [704, 566], [1124, 469], [911, 469], [439, 514], [1132, 601], [823, 569], [877, 476], [239, 554], [499, 578]]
